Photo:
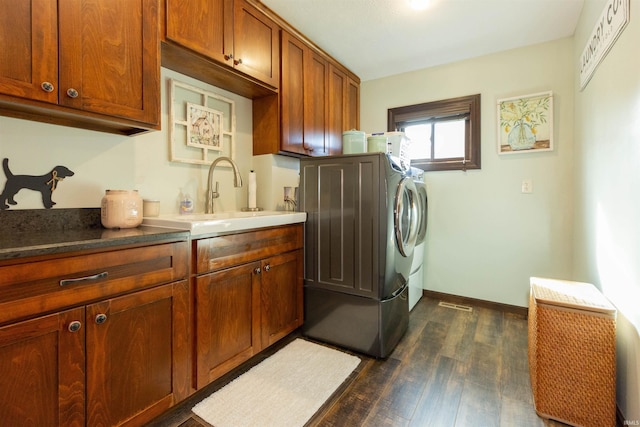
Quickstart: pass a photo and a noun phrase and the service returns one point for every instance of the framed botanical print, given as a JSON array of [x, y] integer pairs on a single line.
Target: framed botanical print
[[525, 123]]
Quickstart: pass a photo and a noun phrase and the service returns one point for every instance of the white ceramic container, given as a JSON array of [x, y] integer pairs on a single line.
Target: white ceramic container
[[353, 142], [150, 207], [377, 144], [121, 209]]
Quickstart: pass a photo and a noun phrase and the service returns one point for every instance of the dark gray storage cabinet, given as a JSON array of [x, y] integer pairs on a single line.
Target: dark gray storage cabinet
[[355, 281], [342, 232]]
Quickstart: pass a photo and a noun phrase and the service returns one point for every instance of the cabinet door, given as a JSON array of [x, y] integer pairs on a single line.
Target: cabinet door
[[344, 107], [110, 58], [204, 26], [352, 241], [227, 320], [134, 354], [29, 36], [304, 98], [42, 370], [292, 94], [352, 105], [256, 44], [316, 104], [281, 296], [337, 103]]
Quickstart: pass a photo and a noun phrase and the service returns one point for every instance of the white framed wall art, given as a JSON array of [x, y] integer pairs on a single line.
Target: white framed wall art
[[202, 124]]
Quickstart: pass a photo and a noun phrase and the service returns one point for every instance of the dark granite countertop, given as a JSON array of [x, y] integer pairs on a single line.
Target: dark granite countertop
[[25, 233]]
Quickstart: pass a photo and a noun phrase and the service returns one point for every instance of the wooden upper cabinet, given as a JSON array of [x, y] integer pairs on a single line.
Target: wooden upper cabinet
[[344, 107], [231, 32], [200, 26], [304, 105], [337, 100], [318, 100], [95, 63], [352, 106], [109, 58], [292, 94], [316, 104], [29, 35], [256, 44]]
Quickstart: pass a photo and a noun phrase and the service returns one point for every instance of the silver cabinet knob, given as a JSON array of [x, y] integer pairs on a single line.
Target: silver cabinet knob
[[101, 318], [72, 93], [257, 270], [267, 267], [47, 87], [75, 326], [237, 62]]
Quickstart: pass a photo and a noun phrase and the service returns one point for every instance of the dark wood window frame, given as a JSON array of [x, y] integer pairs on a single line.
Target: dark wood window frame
[[467, 107]]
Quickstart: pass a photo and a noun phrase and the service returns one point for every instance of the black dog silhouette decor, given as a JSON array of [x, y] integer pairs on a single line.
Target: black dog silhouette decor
[[45, 184]]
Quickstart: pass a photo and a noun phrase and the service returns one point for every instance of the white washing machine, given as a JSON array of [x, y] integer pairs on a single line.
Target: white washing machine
[[416, 278]]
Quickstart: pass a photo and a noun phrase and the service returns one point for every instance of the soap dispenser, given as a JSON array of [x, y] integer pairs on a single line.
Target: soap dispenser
[[186, 205]]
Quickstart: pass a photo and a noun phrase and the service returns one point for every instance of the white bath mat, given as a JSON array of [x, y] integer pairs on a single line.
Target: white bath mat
[[284, 390]]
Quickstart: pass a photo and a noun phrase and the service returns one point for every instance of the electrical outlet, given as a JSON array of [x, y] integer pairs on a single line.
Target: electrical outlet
[[527, 186]]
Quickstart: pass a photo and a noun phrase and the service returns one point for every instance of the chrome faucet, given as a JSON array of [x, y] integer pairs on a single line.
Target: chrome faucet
[[237, 182], [289, 200]]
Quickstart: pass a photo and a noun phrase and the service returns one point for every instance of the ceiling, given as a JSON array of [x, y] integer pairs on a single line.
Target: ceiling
[[379, 38]]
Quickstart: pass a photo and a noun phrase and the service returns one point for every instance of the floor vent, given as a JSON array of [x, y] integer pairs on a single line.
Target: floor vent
[[455, 306]]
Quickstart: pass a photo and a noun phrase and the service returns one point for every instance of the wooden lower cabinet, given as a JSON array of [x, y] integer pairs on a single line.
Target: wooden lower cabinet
[[96, 338], [227, 330], [117, 348], [281, 296], [42, 369], [112, 363], [252, 299], [136, 355]]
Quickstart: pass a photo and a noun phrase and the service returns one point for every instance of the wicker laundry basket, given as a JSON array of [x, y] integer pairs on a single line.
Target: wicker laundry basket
[[572, 353]]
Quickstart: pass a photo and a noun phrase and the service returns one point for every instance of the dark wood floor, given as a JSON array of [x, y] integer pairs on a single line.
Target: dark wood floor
[[452, 368]]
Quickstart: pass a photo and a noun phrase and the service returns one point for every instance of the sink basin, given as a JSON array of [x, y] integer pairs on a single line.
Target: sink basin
[[223, 222]]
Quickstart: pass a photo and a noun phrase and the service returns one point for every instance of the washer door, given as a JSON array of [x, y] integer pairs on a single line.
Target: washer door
[[423, 209], [406, 216]]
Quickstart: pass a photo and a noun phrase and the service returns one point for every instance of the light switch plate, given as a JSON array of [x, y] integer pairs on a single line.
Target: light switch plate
[[527, 186]]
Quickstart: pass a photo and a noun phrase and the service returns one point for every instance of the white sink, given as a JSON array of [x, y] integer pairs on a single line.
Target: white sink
[[201, 223]]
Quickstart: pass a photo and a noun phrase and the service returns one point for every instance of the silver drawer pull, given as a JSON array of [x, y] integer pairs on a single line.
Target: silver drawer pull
[[65, 282]]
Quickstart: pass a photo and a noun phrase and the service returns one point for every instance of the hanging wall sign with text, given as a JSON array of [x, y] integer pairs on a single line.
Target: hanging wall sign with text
[[613, 19]]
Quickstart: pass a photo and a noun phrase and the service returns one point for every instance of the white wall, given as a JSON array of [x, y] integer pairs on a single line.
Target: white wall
[[485, 237], [607, 178], [104, 161]]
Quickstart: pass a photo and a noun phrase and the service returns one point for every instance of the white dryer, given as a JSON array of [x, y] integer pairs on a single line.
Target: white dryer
[[416, 278]]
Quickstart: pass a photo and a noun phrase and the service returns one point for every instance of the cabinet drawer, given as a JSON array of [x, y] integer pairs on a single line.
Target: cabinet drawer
[[42, 286], [216, 253]]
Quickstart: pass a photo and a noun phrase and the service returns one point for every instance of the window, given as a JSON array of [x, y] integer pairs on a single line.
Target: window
[[445, 135]]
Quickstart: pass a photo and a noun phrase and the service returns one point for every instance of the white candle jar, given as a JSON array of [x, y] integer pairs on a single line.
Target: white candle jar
[[121, 209]]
